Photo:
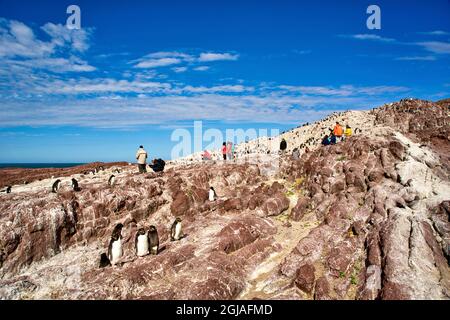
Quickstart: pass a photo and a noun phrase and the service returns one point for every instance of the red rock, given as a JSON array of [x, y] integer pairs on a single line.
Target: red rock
[[232, 204], [276, 205], [305, 278], [322, 289], [180, 204]]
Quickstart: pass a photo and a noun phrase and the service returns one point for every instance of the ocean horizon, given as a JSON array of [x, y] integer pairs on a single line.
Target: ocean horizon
[[40, 165]]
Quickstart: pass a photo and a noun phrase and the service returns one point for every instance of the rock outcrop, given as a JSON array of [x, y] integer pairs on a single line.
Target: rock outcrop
[[367, 218]]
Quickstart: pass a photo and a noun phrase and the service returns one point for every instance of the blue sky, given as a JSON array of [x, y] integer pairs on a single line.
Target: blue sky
[[137, 70]]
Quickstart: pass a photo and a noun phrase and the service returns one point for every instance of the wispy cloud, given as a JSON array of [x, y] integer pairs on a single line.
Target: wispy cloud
[[154, 63], [179, 69], [19, 46], [372, 37], [100, 85], [211, 56], [223, 88], [201, 68], [345, 90], [416, 58], [168, 58], [279, 104], [435, 33], [436, 46]]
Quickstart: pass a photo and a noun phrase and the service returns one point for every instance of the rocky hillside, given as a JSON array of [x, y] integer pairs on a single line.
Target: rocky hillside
[[367, 218]]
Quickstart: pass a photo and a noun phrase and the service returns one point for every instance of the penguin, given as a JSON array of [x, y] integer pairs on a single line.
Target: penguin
[[75, 186], [212, 194], [141, 243], [153, 240], [55, 186], [176, 232], [115, 245], [104, 261], [8, 189], [111, 180], [101, 168]]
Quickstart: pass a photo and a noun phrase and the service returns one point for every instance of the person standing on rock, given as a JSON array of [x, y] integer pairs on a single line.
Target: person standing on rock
[[224, 151], [141, 157]]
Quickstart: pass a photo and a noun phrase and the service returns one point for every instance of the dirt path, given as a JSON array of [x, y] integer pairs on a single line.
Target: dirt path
[[260, 283]]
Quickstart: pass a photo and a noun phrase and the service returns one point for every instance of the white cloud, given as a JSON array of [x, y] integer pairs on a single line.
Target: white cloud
[[61, 36], [210, 56], [436, 46], [171, 109], [18, 40], [346, 90], [170, 54], [201, 68], [22, 51], [155, 63], [179, 69], [102, 85], [58, 65], [163, 59], [416, 58], [223, 88], [373, 37], [170, 58], [436, 33]]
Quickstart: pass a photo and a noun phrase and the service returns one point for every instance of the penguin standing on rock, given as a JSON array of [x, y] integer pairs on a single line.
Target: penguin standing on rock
[[115, 250], [176, 232], [8, 189], [153, 240], [141, 243], [75, 186], [55, 186], [111, 180], [212, 194]]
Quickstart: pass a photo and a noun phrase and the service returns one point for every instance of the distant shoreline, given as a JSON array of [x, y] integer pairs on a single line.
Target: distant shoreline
[[38, 165]]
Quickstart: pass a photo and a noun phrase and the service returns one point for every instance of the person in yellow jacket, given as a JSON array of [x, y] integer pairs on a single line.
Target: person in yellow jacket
[[348, 131], [141, 157]]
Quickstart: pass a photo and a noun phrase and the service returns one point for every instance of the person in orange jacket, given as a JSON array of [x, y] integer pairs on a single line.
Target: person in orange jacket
[[338, 131]]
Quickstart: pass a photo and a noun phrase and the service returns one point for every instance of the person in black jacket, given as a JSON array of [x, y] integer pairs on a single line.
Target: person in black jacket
[[158, 165], [326, 140]]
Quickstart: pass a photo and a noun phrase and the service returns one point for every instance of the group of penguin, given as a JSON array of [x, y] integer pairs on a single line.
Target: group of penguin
[[75, 186], [145, 243]]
